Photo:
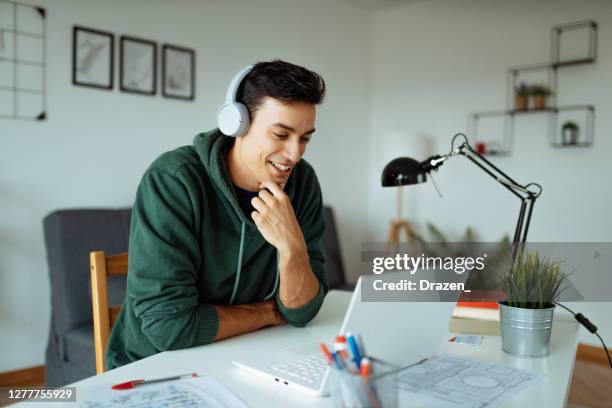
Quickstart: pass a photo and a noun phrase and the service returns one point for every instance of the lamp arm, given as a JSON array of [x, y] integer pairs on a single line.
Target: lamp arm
[[523, 192], [466, 150], [526, 195]]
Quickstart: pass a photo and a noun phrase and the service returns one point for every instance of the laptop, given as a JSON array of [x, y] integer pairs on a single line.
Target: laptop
[[402, 333]]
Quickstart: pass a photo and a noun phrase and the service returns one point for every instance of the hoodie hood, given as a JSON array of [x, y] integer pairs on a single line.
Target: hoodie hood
[[212, 148]]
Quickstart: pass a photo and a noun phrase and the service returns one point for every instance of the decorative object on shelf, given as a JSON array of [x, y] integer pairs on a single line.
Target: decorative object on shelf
[[570, 133], [23, 61], [543, 100], [92, 58], [521, 98], [538, 94], [532, 284], [137, 66], [579, 133], [178, 72], [481, 147]]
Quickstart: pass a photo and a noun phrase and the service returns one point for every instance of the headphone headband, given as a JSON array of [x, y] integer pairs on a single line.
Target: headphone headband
[[232, 89]]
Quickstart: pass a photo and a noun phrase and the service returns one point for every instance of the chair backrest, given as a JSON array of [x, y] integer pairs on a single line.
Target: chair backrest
[[333, 262], [104, 315]]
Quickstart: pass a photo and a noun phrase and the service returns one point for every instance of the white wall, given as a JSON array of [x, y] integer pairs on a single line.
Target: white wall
[[436, 61], [94, 147]]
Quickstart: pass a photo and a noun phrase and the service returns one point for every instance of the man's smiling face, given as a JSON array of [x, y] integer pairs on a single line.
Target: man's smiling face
[[273, 145]]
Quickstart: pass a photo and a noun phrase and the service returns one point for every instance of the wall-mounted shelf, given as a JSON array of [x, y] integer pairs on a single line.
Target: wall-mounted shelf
[[503, 145]]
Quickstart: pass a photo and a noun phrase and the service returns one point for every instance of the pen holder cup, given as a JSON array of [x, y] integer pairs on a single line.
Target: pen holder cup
[[379, 390]]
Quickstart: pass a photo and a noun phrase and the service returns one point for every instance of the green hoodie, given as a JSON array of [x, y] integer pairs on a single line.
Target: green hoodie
[[191, 247]]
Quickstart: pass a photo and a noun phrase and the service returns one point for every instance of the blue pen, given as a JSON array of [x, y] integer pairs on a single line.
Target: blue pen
[[337, 360], [350, 339]]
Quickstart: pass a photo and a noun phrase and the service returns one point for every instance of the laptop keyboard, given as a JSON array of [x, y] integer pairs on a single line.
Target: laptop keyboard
[[310, 368]]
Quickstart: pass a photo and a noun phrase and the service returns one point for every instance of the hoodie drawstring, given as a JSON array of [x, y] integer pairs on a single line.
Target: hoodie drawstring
[[239, 264], [275, 280], [239, 268]]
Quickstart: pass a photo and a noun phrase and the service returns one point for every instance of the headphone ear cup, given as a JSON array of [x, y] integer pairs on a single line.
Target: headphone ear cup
[[233, 119]]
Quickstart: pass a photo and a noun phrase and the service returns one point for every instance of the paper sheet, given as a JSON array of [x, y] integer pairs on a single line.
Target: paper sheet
[[199, 392], [455, 382]]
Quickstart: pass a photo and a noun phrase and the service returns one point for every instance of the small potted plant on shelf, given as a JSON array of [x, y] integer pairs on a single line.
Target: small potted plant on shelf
[[539, 94], [569, 133], [532, 284], [521, 97]]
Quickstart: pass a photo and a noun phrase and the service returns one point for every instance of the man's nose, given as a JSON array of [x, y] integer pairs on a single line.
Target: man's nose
[[293, 151]]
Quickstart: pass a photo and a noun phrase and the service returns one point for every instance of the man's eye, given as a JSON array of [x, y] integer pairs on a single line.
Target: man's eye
[[305, 139], [281, 135]]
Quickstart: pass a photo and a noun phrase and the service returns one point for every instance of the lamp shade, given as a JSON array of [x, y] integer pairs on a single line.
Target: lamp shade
[[403, 171]]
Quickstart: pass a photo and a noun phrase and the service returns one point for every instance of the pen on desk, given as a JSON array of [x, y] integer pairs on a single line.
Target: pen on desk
[[337, 361], [135, 383], [326, 353], [365, 367], [350, 339], [341, 346]]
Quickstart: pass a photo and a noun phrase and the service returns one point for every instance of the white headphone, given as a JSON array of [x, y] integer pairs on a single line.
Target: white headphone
[[233, 117]]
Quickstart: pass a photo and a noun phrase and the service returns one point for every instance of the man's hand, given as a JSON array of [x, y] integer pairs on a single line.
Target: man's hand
[[234, 320], [268, 308], [276, 220]]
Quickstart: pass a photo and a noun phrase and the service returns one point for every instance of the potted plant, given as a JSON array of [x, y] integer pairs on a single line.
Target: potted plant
[[521, 97], [569, 133], [531, 284], [539, 93]]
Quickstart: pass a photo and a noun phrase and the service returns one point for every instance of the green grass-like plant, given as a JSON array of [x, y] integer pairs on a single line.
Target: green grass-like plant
[[533, 282]]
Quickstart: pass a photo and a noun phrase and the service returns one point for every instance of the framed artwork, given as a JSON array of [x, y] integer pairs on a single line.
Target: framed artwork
[[137, 67], [92, 58], [178, 72]]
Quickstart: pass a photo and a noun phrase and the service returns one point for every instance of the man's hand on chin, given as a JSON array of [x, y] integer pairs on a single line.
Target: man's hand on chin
[[276, 220]]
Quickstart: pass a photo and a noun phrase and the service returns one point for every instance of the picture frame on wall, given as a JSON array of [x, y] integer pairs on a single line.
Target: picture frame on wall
[[138, 65], [178, 72], [92, 58]]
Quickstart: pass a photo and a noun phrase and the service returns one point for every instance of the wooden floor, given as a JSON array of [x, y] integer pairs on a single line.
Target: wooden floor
[[591, 387]]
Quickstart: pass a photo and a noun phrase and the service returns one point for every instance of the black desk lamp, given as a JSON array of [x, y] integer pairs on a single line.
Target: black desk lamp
[[404, 170]]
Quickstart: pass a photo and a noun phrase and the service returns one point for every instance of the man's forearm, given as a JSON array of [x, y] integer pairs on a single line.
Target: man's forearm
[[240, 319], [298, 284]]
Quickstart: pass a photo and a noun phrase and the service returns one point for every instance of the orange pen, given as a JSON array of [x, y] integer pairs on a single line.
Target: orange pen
[[326, 353], [365, 367]]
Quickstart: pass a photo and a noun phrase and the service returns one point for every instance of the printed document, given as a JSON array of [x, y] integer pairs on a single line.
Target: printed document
[[198, 392], [446, 381]]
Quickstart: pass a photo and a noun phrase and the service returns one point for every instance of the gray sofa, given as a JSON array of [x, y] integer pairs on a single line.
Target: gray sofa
[[70, 235]]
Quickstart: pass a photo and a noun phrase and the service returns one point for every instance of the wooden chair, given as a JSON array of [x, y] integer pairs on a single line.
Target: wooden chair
[[104, 316]]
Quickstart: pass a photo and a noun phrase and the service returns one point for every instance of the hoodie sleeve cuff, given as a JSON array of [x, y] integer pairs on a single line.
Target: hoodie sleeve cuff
[[300, 316], [208, 324]]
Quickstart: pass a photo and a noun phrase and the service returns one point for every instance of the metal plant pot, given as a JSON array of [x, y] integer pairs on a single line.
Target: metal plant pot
[[525, 332]]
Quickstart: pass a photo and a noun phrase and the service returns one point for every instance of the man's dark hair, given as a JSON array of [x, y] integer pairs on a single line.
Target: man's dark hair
[[280, 80]]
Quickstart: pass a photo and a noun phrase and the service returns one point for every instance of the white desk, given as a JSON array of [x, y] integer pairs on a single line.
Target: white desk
[[215, 360]]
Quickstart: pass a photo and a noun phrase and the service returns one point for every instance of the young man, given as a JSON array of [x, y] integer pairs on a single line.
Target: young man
[[226, 233]]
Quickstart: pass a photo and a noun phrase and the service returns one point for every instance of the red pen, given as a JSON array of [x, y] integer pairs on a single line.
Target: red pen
[[134, 383], [341, 346]]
